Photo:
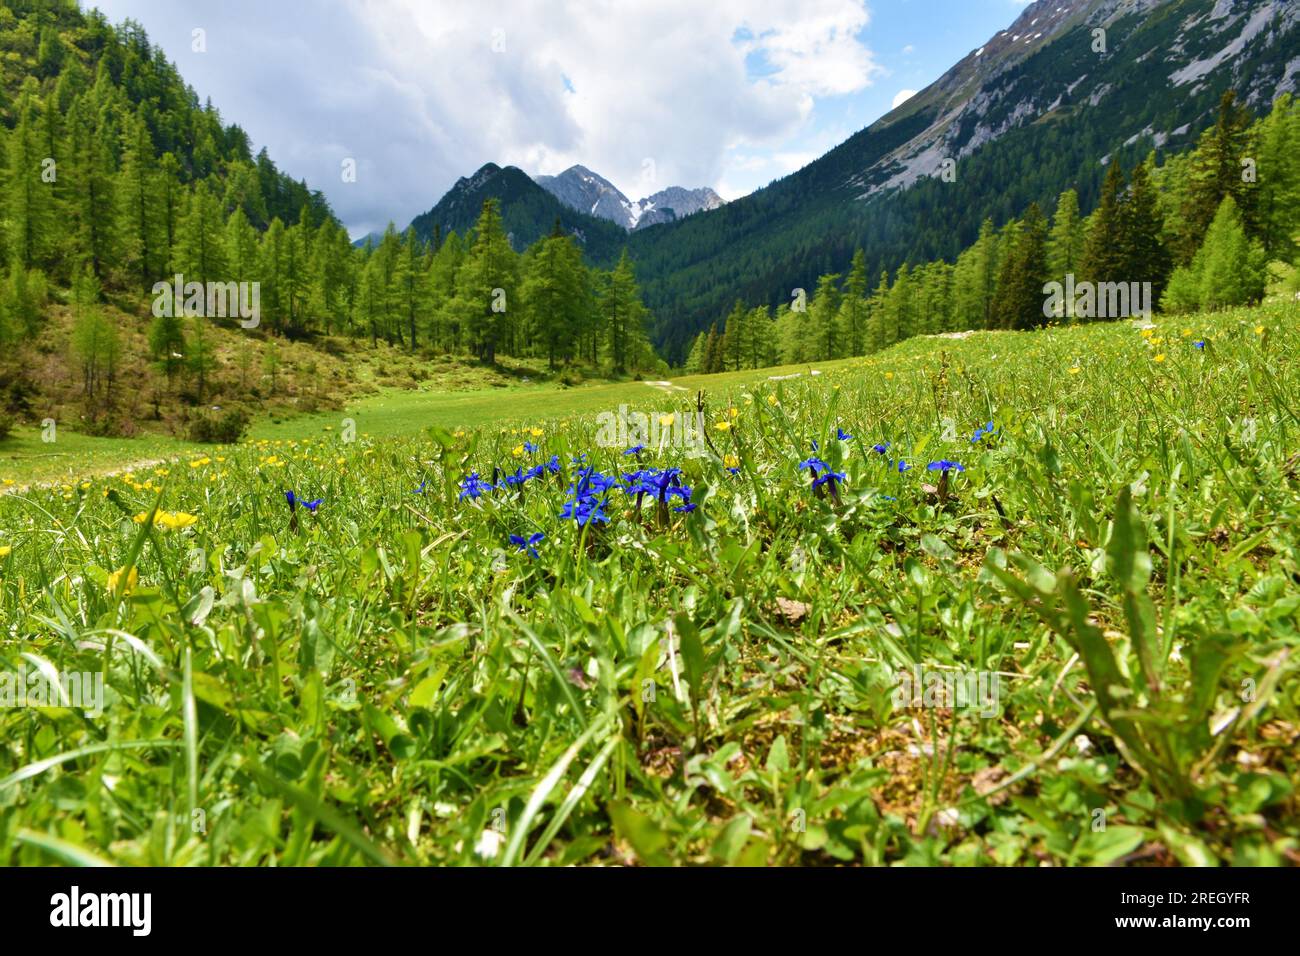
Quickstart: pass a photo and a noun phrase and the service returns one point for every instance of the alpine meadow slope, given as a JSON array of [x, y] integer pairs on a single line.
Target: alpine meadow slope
[[954, 523]]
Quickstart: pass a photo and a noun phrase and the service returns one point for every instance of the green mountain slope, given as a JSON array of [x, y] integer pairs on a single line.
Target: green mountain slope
[[1035, 112]]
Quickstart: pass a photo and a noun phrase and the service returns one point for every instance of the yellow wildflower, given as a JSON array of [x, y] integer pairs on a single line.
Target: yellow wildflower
[[168, 520], [117, 586]]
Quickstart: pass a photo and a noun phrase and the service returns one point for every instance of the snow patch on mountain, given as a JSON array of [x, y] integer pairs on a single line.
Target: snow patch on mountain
[[580, 188]]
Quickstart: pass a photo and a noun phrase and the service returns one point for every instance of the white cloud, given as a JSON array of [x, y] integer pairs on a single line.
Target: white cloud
[[902, 96], [421, 94]]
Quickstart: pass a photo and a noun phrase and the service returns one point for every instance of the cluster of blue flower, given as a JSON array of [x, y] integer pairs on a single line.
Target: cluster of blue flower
[[821, 472], [473, 486], [590, 491]]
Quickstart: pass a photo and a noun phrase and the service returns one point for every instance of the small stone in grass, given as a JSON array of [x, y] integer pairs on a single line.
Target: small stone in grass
[[792, 611]]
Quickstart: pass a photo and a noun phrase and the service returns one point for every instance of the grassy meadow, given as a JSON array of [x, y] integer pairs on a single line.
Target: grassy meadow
[[1031, 599]]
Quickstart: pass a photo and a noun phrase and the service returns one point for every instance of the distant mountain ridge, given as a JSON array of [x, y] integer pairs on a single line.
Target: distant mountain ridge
[[528, 212], [581, 189]]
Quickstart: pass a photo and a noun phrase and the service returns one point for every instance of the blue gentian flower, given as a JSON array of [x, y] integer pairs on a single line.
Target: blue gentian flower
[[420, 490], [1199, 343], [585, 510], [635, 450], [683, 492], [842, 435], [523, 544], [553, 466], [980, 432], [294, 500], [529, 447], [881, 448], [473, 486], [828, 476], [813, 464], [945, 465], [903, 466]]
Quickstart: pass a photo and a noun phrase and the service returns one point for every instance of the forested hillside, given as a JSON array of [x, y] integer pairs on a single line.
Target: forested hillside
[[1022, 122], [117, 178], [1199, 228]]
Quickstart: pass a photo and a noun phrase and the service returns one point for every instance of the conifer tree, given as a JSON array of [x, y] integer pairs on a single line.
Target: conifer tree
[[486, 284], [1102, 258], [91, 178], [853, 311], [625, 317], [28, 195], [202, 253], [557, 296], [824, 343], [695, 358], [1141, 228], [761, 341], [713, 351], [877, 306], [1278, 187], [733, 337], [1230, 265], [1019, 300], [1065, 244], [1217, 171], [137, 203]]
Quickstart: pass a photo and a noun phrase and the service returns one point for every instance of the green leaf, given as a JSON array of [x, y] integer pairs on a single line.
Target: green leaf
[[726, 848], [394, 736], [642, 834], [1189, 850], [692, 653], [778, 758], [1101, 847]]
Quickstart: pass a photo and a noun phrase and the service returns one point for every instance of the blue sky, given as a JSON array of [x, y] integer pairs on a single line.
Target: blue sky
[[730, 94]]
